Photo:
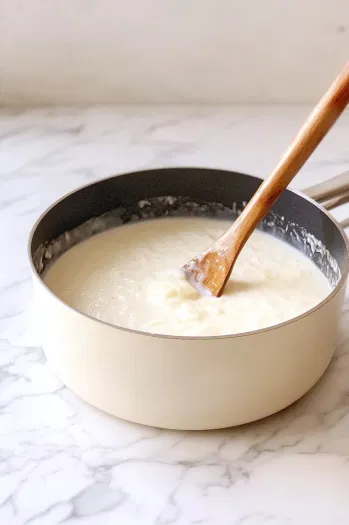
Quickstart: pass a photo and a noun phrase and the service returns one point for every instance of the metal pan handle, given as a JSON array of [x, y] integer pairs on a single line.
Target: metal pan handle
[[330, 188], [332, 193]]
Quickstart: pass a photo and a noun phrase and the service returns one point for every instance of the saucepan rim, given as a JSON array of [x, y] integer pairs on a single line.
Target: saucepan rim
[[336, 289]]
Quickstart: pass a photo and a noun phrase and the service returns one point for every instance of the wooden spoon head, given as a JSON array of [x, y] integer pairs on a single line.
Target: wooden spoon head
[[209, 271]]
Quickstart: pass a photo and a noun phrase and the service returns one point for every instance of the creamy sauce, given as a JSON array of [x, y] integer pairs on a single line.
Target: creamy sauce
[[130, 276]]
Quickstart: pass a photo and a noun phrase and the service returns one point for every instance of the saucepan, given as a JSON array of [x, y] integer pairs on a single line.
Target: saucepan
[[191, 382]]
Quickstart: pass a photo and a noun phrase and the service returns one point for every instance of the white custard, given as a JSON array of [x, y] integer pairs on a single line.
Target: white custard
[[130, 276]]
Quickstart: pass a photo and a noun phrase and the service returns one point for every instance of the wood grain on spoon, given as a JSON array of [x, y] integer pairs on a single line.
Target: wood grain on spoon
[[210, 271]]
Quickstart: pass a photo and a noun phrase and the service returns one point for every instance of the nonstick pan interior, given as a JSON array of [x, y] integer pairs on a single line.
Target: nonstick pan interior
[[191, 191]]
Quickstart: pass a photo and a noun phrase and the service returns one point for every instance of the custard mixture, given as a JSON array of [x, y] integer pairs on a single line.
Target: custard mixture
[[130, 276]]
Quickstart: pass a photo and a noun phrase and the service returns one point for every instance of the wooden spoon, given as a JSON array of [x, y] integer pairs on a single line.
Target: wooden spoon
[[210, 271]]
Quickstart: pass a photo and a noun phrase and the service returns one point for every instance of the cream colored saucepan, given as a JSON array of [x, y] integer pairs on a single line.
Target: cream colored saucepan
[[191, 382]]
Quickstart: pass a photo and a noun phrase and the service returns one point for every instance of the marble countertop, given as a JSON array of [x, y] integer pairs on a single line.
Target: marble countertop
[[63, 462]]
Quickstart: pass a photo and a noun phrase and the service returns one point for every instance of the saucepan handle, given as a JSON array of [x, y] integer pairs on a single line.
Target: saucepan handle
[[331, 193]]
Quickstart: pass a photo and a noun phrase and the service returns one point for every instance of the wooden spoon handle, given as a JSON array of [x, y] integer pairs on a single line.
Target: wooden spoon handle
[[307, 139]]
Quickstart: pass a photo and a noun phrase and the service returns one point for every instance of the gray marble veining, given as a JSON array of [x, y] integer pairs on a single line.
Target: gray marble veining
[[63, 462]]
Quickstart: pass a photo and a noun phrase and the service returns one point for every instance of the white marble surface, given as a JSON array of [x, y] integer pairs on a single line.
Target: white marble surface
[[63, 462]]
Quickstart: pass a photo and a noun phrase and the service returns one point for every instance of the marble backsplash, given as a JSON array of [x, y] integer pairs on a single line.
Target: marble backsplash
[[163, 51]]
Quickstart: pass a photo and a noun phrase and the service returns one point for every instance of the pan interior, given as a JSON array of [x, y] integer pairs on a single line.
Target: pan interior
[[170, 206], [208, 193]]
